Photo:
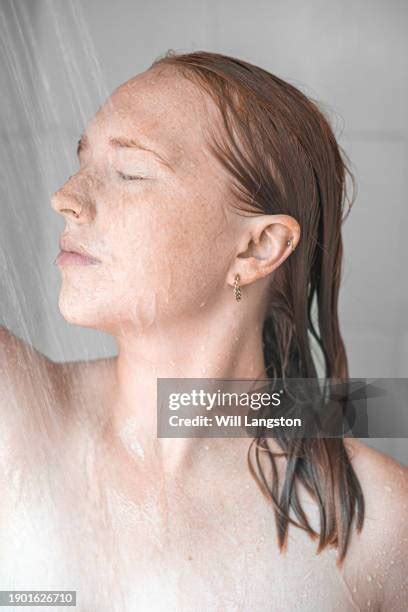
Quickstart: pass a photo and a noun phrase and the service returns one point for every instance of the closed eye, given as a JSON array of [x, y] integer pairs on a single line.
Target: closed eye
[[131, 177]]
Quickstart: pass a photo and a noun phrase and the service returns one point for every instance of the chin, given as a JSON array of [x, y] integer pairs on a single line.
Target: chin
[[95, 312], [85, 311], [112, 309]]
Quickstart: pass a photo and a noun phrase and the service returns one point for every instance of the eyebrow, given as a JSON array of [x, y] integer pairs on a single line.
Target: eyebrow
[[124, 143]]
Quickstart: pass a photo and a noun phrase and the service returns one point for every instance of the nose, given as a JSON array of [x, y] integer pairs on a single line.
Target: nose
[[72, 202]]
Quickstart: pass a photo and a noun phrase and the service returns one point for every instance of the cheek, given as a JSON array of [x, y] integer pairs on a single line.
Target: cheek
[[174, 256]]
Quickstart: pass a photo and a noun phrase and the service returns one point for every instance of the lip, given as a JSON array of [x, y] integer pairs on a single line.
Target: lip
[[74, 254]]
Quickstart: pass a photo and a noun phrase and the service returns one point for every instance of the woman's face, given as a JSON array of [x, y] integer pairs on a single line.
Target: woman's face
[[165, 240]]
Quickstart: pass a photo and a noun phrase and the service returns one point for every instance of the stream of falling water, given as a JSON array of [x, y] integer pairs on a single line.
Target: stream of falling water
[[47, 100]]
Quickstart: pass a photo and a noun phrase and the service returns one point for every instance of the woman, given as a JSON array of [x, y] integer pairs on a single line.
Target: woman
[[202, 227]]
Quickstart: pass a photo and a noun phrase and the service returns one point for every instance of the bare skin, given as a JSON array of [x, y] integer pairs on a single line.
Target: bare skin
[[179, 523], [126, 530]]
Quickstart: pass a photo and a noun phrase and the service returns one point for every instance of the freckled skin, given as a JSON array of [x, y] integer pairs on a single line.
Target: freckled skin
[[100, 504], [165, 242]]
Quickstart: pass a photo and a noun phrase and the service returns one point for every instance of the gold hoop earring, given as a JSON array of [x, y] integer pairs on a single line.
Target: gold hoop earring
[[237, 288]]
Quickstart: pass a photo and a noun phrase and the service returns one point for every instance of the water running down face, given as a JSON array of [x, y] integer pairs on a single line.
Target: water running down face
[[149, 202], [155, 207]]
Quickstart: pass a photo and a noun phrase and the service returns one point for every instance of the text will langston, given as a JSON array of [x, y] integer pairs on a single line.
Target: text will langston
[[235, 420]]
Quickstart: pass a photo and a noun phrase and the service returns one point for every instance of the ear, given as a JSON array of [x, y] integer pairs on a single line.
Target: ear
[[266, 242]]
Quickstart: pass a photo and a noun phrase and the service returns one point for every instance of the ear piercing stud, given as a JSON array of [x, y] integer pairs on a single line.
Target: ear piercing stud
[[290, 242]]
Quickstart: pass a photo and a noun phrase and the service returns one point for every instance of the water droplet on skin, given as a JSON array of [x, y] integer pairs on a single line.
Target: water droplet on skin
[[136, 448], [369, 577], [203, 370], [355, 589], [388, 488], [202, 304], [206, 447]]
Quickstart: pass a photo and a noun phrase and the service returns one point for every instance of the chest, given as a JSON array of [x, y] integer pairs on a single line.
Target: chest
[[66, 529]]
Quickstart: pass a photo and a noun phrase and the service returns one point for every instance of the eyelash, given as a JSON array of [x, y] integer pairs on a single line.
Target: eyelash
[[129, 177]]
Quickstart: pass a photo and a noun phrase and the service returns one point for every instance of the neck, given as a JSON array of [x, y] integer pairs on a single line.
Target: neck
[[203, 348]]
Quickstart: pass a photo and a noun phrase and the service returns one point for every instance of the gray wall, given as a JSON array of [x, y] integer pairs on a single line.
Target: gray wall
[[60, 59]]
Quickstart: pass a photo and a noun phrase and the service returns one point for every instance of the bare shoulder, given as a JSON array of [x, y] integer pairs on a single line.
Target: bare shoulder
[[43, 402], [383, 544], [22, 367], [384, 480], [27, 387], [385, 487], [25, 372]]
